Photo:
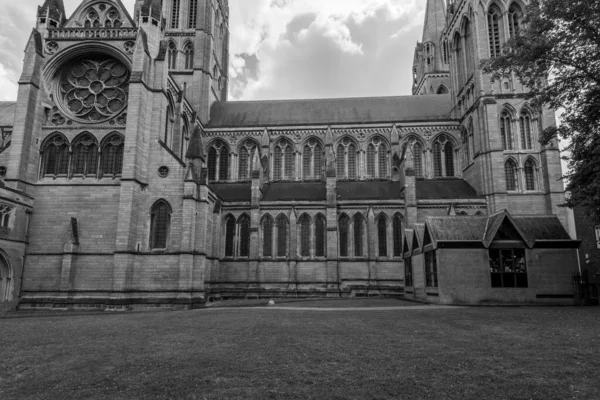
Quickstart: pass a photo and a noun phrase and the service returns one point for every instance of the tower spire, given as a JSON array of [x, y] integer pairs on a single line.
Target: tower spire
[[435, 19]]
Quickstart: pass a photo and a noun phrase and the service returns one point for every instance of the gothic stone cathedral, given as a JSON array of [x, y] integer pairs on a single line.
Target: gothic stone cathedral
[[129, 180]]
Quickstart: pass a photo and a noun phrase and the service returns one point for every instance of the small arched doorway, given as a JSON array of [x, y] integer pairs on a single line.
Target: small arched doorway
[[6, 280]]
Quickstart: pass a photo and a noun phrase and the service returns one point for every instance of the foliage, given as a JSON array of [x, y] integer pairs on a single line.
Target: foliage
[[557, 55]]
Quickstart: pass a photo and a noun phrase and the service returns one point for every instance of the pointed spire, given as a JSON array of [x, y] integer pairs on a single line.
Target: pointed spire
[[435, 19], [52, 9]]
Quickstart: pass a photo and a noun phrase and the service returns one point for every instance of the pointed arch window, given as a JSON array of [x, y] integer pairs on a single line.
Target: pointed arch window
[[320, 235], [343, 227], [346, 159], [466, 148], [229, 236], [494, 18], [471, 139], [193, 14], [515, 19], [470, 60], [246, 156], [418, 159], [445, 52], [113, 18], [283, 161], [218, 161], [506, 131], [111, 156], [188, 53], [92, 19], [175, 14], [530, 175], [397, 231], [304, 223], [525, 125], [510, 170], [442, 89], [443, 157], [244, 229], [85, 156], [160, 220], [282, 236], [359, 234], [377, 159], [56, 157], [312, 160], [267, 236], [382, 235], [449, 158], [437, 160], [460, 59], [172, 55], [169, 124]]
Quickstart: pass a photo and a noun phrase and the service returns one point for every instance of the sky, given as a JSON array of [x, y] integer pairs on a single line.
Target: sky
[[281, 49]]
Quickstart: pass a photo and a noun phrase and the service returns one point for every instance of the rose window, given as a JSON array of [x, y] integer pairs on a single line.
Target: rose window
[[93, 90]]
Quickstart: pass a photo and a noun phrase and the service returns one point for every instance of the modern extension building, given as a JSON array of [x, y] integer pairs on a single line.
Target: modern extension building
[[129, 180]]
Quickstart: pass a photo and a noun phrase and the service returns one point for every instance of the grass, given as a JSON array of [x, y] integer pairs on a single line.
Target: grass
[[463, 353]]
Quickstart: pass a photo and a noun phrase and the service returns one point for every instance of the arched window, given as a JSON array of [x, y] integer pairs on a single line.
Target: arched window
[[344, 227], [471, 139], [56, 156], [470, 59], [466, 148], [377, 159], [283, 160], [418, 159], [229, 236], [530, 175], [304, 223], [515, 19], [494, 18], [218, 161], [185, 142], [445, 52], [312, 160], [160, 220], [382, 235], [525, 125], [85, 156], [397, 230], [175, 14], [245, 159], [282, 234], [443, 157], [92, 19], [442, 89], [506, 131], [244, 226], [188, 53], [267, 236], [111, 156], [172, 55], [346, 159], [192, 14], [359, 233], [169, 124], [320, 235], [460, 59], [113, 18], [510, 170], [6, 281]]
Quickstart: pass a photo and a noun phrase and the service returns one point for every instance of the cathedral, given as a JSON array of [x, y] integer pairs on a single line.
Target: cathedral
[[128, 180]]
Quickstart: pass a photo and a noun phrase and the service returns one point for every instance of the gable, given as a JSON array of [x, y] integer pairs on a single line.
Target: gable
[[100, 14]]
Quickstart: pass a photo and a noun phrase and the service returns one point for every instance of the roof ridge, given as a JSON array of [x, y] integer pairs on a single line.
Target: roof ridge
[[429, 96]]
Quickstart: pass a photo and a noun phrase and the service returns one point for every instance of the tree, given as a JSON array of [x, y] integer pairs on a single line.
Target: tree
[[556, 54]]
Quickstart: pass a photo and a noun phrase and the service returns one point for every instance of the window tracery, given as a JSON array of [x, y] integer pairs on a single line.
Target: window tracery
[[111, 156], [515, 19], [172, 55], [526, 137], [346, 159], [188, 52], [218, 161], [443, 157], [246, 156], [283, 160], [112, 18], [494, 18], [312, 160], [56, 157], [5, 213], [530, 174], [510, 171], [506, 130], [93, 89], [377, 159], [85, 156]]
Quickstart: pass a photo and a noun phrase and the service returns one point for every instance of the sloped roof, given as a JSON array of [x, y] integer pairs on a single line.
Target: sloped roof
[[419, 234], [234, 192], [152, 8], [382, 190], [360, 110], [195, 149], [408, 238], [7, 113], [294, 191], [434, 189], [457, 228], [541, 227]]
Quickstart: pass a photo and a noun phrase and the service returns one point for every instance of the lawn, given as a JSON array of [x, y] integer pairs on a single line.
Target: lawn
[[462, 353]]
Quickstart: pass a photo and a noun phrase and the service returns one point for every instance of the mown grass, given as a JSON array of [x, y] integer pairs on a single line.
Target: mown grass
[[463, 353]]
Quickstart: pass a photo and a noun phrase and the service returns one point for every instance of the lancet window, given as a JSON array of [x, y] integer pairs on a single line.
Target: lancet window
[[312, 160], [343, 228], [172, 55], [175, 14], [346, 159], [470, 59], [267, 227], [506, 130], [510, 171], [377, 159], [113, 18], [282, 236], [188, 53], [283, 160], [193, 14], [320, 235], [85, 156], [443, 157], [218, 161], [530, 174], [494, 18], [418, 159], [92, 19], [244, 234], [359, 234], [382, 235], [56, 157], [304, 223], [111, 156], [515, 19], [397, 232], [246, 155], [525, 126], [229, 236], [160, 220]]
